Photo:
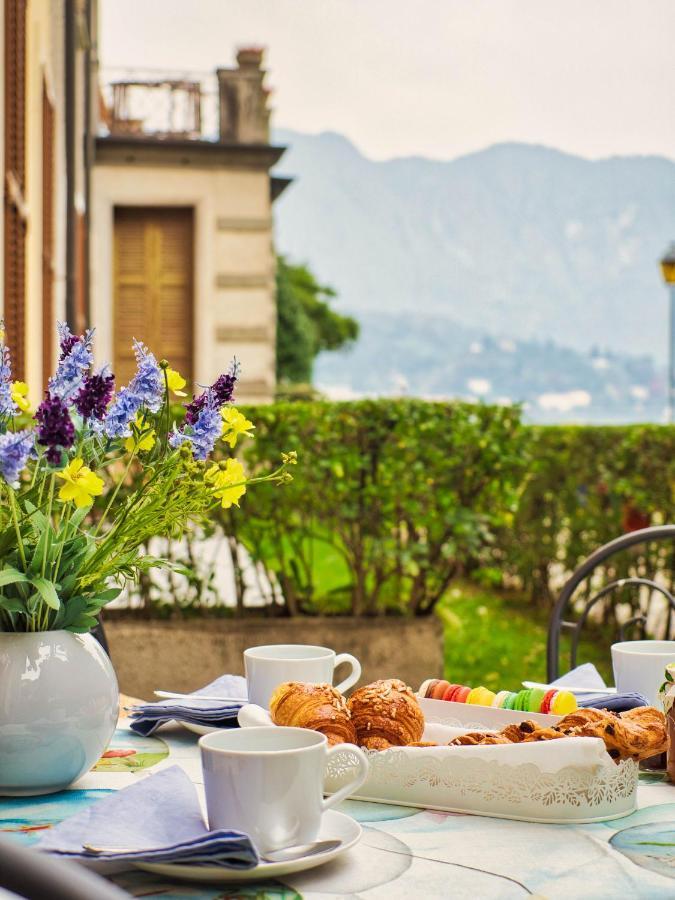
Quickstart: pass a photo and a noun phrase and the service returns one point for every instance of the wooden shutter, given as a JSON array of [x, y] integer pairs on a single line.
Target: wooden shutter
[[14, 187], [153, 286], [48, 322]]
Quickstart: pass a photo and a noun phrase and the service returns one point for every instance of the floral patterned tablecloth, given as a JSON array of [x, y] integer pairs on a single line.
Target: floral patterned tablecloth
[[404, 852]]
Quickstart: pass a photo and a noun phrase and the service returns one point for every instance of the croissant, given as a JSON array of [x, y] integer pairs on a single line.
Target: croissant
[[316, 706], [386, 714]]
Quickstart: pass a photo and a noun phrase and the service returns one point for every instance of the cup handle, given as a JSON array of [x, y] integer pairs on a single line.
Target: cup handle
[[355, 783], [354, 675]]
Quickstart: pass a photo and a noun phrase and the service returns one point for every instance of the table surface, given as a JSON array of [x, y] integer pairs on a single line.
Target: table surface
[[404, 852]]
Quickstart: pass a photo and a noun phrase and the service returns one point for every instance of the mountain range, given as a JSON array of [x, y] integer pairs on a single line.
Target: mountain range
[[517, 243]]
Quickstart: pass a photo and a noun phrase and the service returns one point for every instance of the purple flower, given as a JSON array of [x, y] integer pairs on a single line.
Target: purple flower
[[15, 448], [74, 363], [56, 428], [93, 398], [145, 388], [222, 390], [205, 431], [7, 406]]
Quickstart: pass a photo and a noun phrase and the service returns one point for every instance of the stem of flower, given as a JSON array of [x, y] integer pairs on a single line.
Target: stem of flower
[[115, 493], [15, 519], [50, 501]]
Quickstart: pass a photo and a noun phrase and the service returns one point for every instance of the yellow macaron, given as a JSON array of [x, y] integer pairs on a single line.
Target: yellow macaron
[[481, 696], [564, 702]]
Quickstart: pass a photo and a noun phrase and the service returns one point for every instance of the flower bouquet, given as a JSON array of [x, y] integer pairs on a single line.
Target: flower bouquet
[[85, 483]]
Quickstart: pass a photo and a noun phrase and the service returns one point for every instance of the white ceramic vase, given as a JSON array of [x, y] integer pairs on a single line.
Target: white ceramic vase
[[58, 709]]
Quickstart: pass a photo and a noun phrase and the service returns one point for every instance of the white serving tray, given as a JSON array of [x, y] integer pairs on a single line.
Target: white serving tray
[[478, 718], [566, 781]]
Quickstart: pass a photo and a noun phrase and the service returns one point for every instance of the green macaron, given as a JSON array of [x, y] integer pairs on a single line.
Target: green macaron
[[523, 700], [509, 701], [536, 696]]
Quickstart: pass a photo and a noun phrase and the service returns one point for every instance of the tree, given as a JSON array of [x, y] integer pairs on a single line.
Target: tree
[[306, 323]]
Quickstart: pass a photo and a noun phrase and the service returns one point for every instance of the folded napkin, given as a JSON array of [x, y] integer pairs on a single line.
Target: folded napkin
[[157, 819], [146, 717], [587, 676]]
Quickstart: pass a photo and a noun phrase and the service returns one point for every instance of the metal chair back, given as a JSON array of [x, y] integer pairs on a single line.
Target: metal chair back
[[566, 603]]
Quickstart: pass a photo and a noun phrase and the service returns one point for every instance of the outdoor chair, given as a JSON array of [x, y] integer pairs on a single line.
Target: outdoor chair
[[598, 580], [35, 876]]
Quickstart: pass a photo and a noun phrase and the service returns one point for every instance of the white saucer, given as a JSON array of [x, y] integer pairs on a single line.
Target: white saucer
[[334, 826], [248, 715], [198, 729]]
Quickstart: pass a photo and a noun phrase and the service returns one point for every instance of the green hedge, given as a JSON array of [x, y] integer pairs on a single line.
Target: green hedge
[[394, 498], [584, 486], [391, 499]]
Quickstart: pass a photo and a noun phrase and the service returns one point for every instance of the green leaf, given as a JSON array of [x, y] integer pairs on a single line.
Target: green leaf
[[107, 596], [41, 551], [47, 591], [37, 517], [12, 604], [12, 576]]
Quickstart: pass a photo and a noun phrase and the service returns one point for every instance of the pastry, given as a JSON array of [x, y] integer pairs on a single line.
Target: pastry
[[386, 714], [478, 737], [636, 734], [317, 706]]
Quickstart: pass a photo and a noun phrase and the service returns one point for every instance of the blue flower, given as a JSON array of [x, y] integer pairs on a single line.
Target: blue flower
[[148, 382], [204, 433], [7, 406], [121, 413], [74, 363], [146, 388], [15, 448]]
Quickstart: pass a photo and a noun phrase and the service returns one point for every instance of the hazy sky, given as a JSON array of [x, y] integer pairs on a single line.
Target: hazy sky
[[436, 78]]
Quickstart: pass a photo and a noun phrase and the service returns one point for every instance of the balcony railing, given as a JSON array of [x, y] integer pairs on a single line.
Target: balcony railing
[[159, 104]]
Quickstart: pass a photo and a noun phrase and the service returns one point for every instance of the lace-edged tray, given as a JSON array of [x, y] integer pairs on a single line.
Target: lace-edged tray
[[568, 781], [438, 778]]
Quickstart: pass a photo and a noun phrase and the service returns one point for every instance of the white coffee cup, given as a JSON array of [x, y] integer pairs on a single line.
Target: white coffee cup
[[639, 666], [268, 782], [270, 665]]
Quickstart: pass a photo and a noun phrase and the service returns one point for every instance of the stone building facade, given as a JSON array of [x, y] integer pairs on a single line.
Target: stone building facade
[[182, 251]]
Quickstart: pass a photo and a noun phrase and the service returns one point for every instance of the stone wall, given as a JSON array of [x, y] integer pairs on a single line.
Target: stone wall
[[183, 656]]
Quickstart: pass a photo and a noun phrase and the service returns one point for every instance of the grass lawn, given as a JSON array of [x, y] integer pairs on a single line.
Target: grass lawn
[[493, 640]]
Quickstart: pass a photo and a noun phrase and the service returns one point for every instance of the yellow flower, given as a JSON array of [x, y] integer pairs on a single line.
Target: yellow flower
[[176, 382], [145, 442], [226, 482], [20, 395], [81, 484], [234, 425]]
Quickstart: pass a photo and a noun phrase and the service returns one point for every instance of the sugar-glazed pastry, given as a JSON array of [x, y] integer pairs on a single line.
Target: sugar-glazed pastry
[[316, 706], [386, 714]]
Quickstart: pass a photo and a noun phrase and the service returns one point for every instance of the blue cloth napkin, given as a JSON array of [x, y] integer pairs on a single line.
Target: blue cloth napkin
[[588, 676], [158, 819], [147, 717]]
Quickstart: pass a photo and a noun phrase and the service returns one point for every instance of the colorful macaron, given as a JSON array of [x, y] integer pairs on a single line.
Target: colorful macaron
[[532, 700]]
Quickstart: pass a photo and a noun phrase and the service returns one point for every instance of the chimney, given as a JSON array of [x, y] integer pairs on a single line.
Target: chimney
[[244, 115]]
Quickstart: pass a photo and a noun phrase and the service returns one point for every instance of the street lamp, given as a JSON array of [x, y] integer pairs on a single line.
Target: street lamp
[[668, 270]]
